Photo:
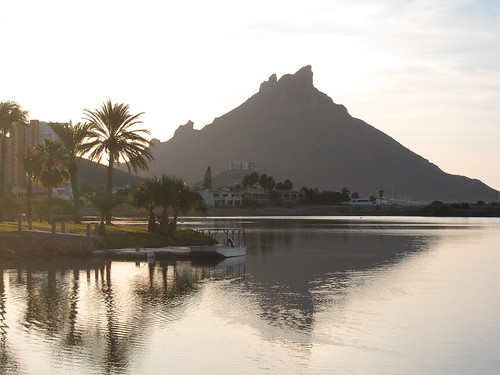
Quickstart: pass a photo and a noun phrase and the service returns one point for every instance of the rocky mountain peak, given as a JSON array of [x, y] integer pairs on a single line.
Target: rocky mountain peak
[[269, 84], [184, 129], [301, 80]]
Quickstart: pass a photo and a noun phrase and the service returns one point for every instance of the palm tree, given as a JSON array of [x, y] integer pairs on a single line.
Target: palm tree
[[53, 165], [11, 115], [169, 189], [73, 138], [145, 195], [112, 136], [170, 194], [104, 204], [187, 200], [30, 162]]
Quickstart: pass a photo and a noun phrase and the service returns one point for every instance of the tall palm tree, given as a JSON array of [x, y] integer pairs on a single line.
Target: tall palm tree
[[73, 137], [30, 162], [11, 115], [53, 165], [112, 137]]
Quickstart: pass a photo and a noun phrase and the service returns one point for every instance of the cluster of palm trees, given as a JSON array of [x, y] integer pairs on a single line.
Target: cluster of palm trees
[[168, 194], [107, 135]]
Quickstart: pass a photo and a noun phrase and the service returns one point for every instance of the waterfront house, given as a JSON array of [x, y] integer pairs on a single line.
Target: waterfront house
[[221, 197]]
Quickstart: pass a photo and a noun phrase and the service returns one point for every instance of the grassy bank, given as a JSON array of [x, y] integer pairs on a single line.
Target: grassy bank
[[117, 236]]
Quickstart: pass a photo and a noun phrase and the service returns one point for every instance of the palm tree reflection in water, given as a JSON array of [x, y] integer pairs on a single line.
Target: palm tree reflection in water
[[7, 358], [96, 320]]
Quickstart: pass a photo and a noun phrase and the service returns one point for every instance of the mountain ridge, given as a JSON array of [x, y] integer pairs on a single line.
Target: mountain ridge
[[292, 130]]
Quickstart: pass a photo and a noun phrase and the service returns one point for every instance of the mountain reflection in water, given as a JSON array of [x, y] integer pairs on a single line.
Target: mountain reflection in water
[[280, 309]]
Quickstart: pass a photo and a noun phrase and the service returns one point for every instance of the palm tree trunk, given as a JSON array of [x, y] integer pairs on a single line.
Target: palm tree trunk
[[109, 187], [76, 193], [3, 170], [164, 221], [29, 199], [172, 226], [49, 205], [151, 220]]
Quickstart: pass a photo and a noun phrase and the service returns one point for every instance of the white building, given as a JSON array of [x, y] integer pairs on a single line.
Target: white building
[[221, 198], [242, 166]]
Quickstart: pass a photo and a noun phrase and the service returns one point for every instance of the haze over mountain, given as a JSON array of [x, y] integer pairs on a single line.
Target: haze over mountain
[[292, 130]]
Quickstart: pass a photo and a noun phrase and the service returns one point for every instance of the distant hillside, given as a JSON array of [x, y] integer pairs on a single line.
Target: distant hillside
[[96, 175], [292, 130]]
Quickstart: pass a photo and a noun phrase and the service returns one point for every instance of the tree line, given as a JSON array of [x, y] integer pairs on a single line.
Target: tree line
[[266, 182], [311, 195], [108, 134]]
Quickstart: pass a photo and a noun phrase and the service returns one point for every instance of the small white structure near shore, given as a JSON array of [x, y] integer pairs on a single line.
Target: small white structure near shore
[[359, 202], [365, 202], [221, 198]]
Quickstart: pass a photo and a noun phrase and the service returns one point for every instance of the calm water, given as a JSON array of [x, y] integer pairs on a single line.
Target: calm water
[[313, 296]]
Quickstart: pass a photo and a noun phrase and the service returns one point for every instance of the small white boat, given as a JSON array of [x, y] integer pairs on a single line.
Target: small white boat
[[227, 249], [219, 251]]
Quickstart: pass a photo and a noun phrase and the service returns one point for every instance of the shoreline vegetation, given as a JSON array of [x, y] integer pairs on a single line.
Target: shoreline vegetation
[[42, 243]]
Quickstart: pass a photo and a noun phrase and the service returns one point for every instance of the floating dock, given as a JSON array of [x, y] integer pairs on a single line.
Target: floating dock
[[145, 253], [173, 252]]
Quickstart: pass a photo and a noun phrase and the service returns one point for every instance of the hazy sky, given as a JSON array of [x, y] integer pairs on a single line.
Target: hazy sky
[[425, 72]]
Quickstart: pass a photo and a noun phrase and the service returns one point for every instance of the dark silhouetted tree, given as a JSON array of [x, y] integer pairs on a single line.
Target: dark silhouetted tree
[[250, 180], [73, 138], [285, 185], [266, 182], [207, 179], [53, 168], [145, 195]]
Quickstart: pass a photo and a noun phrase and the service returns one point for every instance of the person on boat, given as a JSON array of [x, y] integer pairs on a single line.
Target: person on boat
[[229, 243]]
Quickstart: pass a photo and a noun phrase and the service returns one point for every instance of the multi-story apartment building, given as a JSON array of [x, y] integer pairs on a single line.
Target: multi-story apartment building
[[242, 166], [20, 139]]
